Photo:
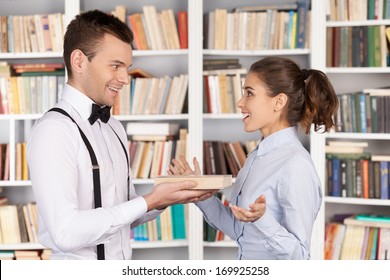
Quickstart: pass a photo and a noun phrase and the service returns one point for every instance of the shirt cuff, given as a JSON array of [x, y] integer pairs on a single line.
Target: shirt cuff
[[134, 209], [205, 203]]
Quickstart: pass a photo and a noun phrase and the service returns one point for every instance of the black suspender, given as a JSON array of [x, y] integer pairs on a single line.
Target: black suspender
[[95, 172]]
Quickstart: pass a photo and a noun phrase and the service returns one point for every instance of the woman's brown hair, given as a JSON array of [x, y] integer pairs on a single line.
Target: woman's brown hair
[[311, 96]]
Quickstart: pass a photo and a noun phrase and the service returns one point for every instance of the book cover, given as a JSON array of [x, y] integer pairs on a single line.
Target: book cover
[[183, 29], [204, 182], [152, 128]]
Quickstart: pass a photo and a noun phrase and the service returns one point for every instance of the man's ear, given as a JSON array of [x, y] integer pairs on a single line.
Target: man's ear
[[77, 59], [280, 101]]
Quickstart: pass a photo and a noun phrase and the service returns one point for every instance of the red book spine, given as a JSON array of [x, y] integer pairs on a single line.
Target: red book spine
[[183, 29]]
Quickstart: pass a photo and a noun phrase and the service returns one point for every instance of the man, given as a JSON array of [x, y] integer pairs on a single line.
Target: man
[[78, 219]]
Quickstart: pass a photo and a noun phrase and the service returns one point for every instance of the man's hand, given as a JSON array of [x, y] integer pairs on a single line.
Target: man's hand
[[166, 194], [255, 212]]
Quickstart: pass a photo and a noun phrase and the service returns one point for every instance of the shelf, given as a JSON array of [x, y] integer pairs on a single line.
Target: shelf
[[21, 246], [31, 55], [118, 117], [224, 244], [357, 70], [15, 184], [358, 136], [357, 201], [158, 244], [136, 53], [22, 117], [183, 52], [222, 116], [256, 52], [151, 117], [358, 23]]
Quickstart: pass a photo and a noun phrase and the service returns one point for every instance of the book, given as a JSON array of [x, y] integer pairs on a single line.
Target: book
[[283, 6], [152, 128], [139, 73], [353, 242], [204, 182], [302, 9], [334, 236], [383, 250], [344, 149], [182, 18], [7, 255], [149, 137], [348, 143], [136, 26], [368, 221]]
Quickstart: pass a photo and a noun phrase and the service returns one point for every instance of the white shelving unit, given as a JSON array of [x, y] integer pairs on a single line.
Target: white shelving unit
[[229, 127], [200, 126], [159, 63], [223, 127], [344, 79]]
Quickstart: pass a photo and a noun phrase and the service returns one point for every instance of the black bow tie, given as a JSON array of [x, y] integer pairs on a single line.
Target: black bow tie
[[99, 113]]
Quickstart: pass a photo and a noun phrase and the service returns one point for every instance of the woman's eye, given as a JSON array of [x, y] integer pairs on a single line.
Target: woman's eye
[[115, 66]]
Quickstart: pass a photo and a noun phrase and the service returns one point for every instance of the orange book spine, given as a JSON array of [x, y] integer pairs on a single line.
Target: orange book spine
[[366, 181], [183, 29], [133, 26]]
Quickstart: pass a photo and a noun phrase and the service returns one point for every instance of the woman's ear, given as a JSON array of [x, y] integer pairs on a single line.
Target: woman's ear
[[280, 101], [77, 58]]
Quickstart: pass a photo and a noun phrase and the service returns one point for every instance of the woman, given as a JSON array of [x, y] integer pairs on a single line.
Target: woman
[[277, 194]]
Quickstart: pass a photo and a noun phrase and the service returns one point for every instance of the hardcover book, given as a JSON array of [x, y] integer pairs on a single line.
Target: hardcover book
[[204, 182]]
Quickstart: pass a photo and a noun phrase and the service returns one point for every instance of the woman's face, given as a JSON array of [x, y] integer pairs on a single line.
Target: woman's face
[[260, 111]]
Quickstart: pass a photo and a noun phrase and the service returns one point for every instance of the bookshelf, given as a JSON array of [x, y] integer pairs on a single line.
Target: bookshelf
[[228, 126], [15, 128], [345, 80], [202, 126]]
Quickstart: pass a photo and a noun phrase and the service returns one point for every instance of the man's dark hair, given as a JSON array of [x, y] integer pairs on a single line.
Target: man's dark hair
[[86, 31]]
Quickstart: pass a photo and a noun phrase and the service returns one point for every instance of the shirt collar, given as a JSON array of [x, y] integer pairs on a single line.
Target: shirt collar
[[277, 139], [79, 101]]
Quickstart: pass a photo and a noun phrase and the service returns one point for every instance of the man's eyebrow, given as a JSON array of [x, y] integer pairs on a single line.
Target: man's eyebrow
[[118, 62]]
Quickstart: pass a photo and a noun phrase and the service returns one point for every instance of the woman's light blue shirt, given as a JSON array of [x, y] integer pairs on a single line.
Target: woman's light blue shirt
[[281, 169]]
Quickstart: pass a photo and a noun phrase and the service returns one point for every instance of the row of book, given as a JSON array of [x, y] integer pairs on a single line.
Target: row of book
[[358, 175], [358, 46], [169, 225], [143, 96], [157, 30], [150, 155], [151, 158], [366, 111], [358, 237], [18, 223], [153, 30], [345, 10], [210, 233], [29, 94], [222, 90], [285, 26], [222, 158], [42, 254], [32, 33]]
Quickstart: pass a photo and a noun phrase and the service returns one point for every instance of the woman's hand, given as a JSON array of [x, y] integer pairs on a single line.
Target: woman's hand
[[255, 212], [182, 167]]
